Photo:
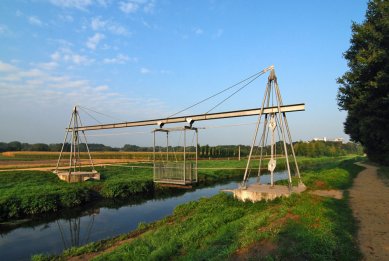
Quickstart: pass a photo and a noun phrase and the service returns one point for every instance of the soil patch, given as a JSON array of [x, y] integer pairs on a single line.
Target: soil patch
[[338, 194]]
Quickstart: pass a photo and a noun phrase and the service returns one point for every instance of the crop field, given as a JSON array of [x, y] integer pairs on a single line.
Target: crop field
[[48, 160], [31, 159]]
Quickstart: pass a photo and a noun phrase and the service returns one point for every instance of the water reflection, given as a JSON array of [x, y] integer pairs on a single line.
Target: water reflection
[[71, 232]]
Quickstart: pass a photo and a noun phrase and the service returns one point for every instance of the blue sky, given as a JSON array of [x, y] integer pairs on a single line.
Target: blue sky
[[144, 59]]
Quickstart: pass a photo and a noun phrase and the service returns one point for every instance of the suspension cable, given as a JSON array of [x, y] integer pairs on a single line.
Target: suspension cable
[[106, 115], [89, 114], [241, 88], [256, 75]]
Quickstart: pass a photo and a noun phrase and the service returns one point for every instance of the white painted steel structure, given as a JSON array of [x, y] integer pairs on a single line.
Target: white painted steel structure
[[275, 116]]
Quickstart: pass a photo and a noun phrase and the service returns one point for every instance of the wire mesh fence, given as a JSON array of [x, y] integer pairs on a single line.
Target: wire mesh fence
[[175, 172]]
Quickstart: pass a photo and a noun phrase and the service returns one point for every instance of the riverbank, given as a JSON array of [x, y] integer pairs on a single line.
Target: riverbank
[[303, 226], [26, 193]]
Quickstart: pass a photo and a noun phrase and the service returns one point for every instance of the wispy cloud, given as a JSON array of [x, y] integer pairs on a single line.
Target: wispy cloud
[[102, 88], [35, 21], [48, 66], [120, 59], [94, 40], [6, 68], [149, 6], [78, 4], [144, 70], [68, 56], [97, 24], [66, 18], [129, 7], [46, 88], [198, 31], [133, 6]]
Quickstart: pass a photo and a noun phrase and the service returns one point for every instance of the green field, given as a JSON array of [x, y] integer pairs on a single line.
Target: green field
[[302, 227], [32, 192]]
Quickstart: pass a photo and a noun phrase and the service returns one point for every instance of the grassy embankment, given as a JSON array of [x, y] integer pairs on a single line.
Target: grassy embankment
[[25, 193], [383, 173], [33, 192], [302, 227]]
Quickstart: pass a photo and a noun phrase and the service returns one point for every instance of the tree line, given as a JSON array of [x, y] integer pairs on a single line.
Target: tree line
[[364, 88], [309, 149]]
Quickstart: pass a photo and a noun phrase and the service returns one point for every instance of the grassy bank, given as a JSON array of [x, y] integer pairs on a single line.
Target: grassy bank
[[383, 173], [25, 193], [302, 227]]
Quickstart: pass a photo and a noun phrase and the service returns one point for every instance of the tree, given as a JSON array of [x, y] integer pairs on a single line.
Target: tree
[[3, 146], [364, 88], [14, 146], [39, 147]]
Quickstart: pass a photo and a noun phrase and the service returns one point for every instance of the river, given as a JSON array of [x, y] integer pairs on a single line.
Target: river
[[52, 234]]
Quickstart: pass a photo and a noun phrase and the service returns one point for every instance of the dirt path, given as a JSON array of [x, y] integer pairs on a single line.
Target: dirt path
[[369, 199]]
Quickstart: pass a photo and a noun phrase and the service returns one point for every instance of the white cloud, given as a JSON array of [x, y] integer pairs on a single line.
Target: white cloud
[[35, 21], [144, 70], [104, 25], [48, 65], [55, 56], [80, 85], [79, 59], [66, 18], [117, 29], [198, 31], [120, 59], [129, 7], [133, 6], [47, 89], [104, 3], [97, 23], [5, 67], [149, 6], [78, 4], [68, 56], [94, 40], [102, 88]]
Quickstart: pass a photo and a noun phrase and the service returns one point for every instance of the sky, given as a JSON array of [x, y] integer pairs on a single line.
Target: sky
[[144, 59]]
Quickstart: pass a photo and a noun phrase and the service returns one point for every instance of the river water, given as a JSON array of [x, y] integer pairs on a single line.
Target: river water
[[52, 234]]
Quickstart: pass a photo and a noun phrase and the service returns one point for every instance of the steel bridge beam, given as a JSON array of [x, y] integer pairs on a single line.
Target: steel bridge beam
[[192, 118]]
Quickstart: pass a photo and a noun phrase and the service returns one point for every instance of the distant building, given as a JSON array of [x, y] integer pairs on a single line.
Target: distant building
[[320, 139], [325, 139]]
